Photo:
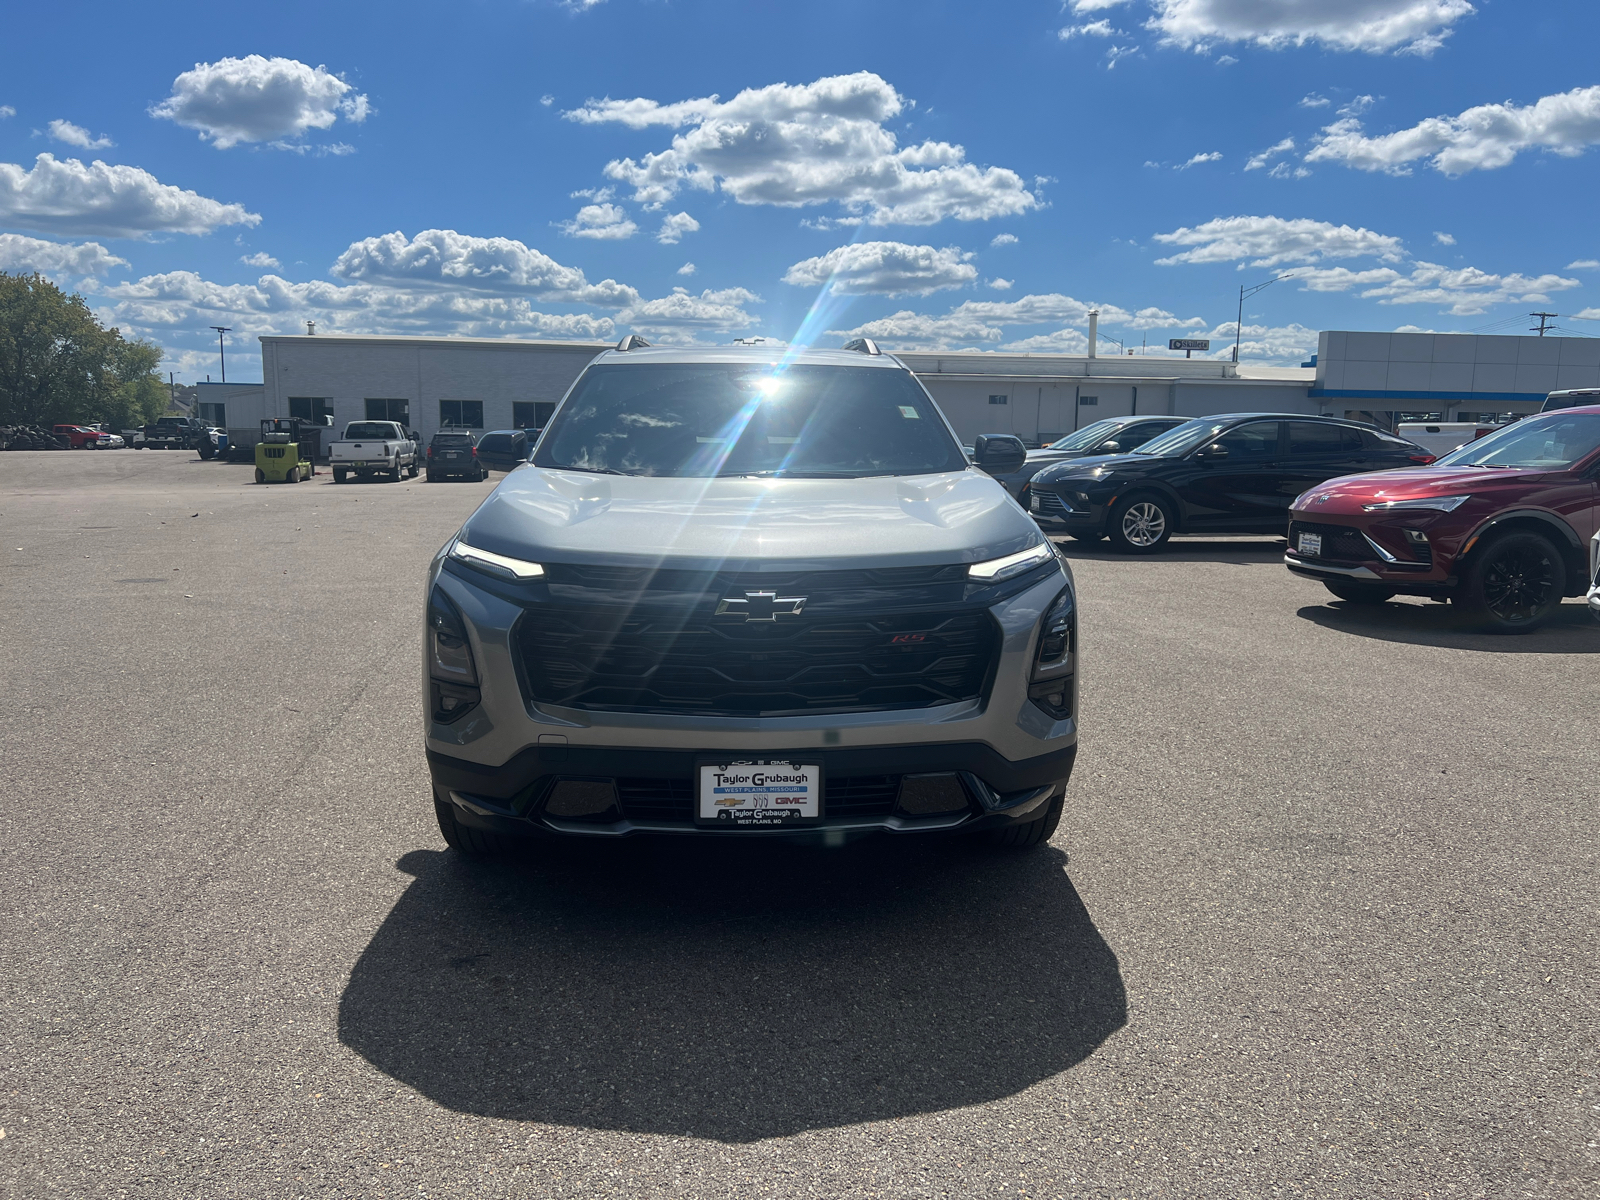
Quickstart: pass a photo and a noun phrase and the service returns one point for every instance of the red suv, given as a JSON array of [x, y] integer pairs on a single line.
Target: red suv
[[1500, 526]]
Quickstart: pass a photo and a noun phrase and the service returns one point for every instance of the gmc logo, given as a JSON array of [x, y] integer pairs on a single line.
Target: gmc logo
[[905, 639]]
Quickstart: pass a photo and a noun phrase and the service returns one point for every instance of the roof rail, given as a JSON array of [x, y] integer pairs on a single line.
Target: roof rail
[[863, 346], [633, 342]]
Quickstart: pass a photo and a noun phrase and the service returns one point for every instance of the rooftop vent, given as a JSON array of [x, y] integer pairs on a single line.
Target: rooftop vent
[[632, 342], [863, 346]]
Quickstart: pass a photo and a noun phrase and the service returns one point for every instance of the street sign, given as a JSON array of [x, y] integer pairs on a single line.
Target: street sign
[[1189, 344]]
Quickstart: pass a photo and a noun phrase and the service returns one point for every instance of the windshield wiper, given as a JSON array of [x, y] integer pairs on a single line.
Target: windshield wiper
[[592, 470], [787, 474]]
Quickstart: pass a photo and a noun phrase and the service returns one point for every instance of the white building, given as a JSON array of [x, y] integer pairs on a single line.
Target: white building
[[487, 384]]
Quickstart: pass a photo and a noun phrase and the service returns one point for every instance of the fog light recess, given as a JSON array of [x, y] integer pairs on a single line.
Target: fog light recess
[[931, 795], [582, 799]]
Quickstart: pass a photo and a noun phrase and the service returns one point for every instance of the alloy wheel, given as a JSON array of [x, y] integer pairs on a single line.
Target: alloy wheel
[[1517, 584], [1144, 524]]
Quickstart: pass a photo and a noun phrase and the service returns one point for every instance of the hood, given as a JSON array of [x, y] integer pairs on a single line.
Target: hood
[[909, 520], [1105, 463], [1349, 493]]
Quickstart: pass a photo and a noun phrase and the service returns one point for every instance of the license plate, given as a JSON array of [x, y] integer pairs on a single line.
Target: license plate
[[759, 794], [1311, 545], [1035, 503]]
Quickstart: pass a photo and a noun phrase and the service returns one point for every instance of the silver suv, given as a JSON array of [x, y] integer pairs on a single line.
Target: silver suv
[[748, 593]]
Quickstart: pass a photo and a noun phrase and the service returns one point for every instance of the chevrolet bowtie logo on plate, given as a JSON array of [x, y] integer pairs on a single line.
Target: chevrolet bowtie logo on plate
[[761, 606]]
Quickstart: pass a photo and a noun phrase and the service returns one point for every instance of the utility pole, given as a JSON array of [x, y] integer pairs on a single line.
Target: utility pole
[[1244, 294], [1544, 319], [222, 329]]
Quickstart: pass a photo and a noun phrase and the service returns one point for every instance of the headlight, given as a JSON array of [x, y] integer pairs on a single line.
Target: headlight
[[1011, 565], [1441, 503], [452, 674], [1051, 684], [495, 564]]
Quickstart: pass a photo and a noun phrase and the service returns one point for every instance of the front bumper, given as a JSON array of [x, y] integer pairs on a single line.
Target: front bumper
[[494, 764], [1594, 601]]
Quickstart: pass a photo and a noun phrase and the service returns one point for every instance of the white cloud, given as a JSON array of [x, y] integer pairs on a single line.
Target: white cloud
[[1278, 344], [1479, 139], [976, 321], [1092, 29], [811, 144], [1002, 285], [6, 112], [25, 254], [1312, 100], [1357, 106], [1460, 291], [547, 100], [1003, 239], [1160, 318], [1227, 60], [1284, 171], [172, 304], [1443, 238], [1274, 241], [1257, 161], [1214, 156], [443, 258], [1117, 53], [1376, 26], [256, 99], [608, 222], [686, 269], [1584, 264], [65, 196], [1089, 6], [77, 135], [261, 259], [674, 227], [886, 269], [682, 314]]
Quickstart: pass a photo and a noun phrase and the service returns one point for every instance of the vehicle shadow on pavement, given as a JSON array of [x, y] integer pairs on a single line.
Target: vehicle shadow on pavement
[[731, 992], [1570, 630]]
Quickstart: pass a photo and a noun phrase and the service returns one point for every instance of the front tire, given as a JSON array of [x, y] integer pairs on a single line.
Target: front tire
[[1028, 835], [1514, 584], [466, 841], [1140, 525], [1359, 593], [338, 475], [261, 476]]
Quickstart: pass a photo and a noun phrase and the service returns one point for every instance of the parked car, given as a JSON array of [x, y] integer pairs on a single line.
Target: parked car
[[1570, 398], [504, 449], [1113, 435], [1501, 527], [373, 448], [702, 613], [1225, 474], [79, 437], [174, 433], [453, 454], [1441, 437], [106, 440]]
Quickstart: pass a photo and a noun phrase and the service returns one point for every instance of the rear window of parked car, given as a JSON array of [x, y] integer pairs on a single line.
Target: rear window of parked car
[[452, 439]]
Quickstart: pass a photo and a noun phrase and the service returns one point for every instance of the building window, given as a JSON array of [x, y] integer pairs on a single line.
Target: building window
[[997, 399], [316, 409], [463, 414], [390, 410], [214, 414], [531, 414], [1088, 400]]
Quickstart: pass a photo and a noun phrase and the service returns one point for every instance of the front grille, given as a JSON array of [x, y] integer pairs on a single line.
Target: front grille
[[673, 799], [1340, 543], [621, 640], [1049, 505]]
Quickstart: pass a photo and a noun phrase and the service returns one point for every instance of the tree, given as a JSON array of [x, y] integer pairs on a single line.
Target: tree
[[59, 364]]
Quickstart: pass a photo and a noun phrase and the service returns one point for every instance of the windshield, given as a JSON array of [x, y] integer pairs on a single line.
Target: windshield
[[1085, 437], [706, 419], [368, 429], [1180, 439], [1551, 443]]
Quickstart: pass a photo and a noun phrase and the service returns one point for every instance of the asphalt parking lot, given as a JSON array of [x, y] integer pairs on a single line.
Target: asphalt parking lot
[[1319, 920]]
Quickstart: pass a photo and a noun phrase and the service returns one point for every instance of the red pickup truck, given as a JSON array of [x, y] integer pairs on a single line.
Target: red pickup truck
[[79, 437]]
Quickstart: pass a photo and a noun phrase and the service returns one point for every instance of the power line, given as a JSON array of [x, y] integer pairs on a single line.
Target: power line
[[1544, 322]]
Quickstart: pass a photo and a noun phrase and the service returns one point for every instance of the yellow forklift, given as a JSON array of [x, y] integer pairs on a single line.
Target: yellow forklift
[[287, 451]]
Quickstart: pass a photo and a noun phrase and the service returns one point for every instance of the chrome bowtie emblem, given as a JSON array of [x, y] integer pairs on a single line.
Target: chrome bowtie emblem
[[761, 606], [1322, 498]]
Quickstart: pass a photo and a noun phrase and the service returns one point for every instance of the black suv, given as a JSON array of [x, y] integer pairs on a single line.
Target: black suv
[[504, 449], [1236, 473], [453, 454]]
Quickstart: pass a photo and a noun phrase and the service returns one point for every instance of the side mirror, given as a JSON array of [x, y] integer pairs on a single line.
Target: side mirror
[[999, 453], [1110, 448], [1212, 453]]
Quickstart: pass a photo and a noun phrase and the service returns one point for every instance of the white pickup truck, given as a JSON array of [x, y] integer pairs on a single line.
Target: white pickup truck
[[373, 448]]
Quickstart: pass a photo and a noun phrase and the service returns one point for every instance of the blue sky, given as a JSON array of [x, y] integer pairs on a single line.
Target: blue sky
[[934, 174]]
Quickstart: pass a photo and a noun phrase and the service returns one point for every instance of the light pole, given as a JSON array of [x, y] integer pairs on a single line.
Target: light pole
[[1244, 292], [222, 329]]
